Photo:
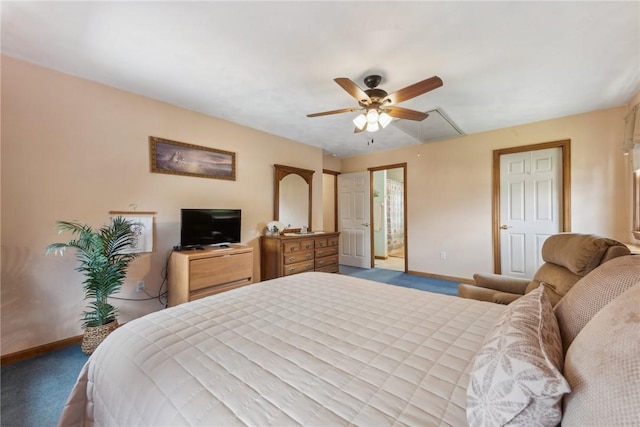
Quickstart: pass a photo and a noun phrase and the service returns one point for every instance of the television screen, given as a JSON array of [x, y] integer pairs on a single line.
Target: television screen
[[207, 227]]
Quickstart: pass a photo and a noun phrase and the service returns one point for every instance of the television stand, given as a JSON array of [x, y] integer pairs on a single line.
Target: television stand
[[197, 274]]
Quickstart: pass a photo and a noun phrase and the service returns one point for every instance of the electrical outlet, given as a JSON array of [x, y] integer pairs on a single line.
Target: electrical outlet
[[443, 255], [140, 286]]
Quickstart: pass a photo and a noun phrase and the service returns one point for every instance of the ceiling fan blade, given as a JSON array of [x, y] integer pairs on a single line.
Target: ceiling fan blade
[[326, 113], [405, 113], [356, 130], [414, 90], [353, 90]]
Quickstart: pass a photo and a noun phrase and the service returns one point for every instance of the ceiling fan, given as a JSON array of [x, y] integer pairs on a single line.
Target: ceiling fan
[[378, 108]]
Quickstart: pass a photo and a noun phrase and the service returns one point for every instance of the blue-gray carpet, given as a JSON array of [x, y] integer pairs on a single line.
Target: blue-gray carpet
[[403, 279], [34, 391]]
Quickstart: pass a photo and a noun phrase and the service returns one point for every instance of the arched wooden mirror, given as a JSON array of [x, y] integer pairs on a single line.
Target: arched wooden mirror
[[292, 196]]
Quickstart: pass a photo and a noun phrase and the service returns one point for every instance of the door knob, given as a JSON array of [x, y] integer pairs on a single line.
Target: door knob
[[504, 226], [366, 224]]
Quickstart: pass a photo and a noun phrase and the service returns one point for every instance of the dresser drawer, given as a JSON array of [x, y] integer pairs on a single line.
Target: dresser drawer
[[289, 247], [298, 267], [321, 243], [306, 245], [296, 246], [326, 261], [294, 257], [329, 269], [331, 250], [333, 241], [204, 273]]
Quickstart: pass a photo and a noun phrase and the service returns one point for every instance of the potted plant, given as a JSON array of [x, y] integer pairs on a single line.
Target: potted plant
[[104, 256]]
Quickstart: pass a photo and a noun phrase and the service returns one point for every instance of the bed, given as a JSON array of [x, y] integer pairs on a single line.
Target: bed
[[308, 349]]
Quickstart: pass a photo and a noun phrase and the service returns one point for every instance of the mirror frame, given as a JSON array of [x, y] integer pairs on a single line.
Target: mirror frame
[[282, 171]]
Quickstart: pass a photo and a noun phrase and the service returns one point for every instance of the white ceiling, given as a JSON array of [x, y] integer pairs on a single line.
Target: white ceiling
[[268, 64]]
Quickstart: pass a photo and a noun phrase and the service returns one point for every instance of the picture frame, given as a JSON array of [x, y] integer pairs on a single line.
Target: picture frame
[[142, 229], [180, 158]]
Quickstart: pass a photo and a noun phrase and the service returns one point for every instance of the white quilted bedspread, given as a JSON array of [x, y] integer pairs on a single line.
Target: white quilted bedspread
[[309, 349]]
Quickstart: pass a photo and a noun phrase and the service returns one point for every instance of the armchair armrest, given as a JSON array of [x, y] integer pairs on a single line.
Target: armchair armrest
[[497, 282], [466, 290], [505, 297]]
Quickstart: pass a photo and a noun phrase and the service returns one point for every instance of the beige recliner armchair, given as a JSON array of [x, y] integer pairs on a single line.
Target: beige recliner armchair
[[568, 257]]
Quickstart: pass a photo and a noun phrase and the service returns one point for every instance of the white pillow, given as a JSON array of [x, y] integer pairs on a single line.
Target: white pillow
[[515, 378]]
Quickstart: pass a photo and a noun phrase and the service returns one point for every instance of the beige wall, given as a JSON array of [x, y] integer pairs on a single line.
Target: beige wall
[[73, 149], [331, 163], [449, 188]]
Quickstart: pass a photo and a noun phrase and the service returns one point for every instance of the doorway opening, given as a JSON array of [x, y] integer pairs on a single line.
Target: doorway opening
[[388, 217]]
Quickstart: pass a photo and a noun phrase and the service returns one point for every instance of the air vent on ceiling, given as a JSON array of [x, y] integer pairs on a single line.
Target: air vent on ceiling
[[435, 127]]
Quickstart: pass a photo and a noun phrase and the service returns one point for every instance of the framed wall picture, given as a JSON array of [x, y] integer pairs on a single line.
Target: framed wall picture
[[142, 229], [179, 158]]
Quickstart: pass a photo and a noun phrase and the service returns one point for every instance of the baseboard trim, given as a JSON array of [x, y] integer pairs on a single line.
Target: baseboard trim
[[39, 350], [442, 277]]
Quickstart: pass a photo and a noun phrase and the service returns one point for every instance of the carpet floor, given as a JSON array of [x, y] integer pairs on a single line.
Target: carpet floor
[[400, 278], [34, 391]]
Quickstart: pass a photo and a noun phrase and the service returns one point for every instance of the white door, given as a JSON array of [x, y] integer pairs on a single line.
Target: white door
[[354, 219], [530, 206]]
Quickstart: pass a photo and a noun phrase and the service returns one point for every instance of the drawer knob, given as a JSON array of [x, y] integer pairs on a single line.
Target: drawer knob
[[292, 269], [309, 256], [292, 259]]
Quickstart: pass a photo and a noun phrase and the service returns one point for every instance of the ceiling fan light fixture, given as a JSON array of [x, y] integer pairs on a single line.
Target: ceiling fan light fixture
[[384, 119], [372, 116], [360, 121], [374, 102]]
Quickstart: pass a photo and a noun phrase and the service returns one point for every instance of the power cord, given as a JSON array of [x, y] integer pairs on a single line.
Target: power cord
[[162, 296], [137, 299]]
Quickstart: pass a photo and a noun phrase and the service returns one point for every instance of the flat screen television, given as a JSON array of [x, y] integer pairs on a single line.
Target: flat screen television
[[209, 227]]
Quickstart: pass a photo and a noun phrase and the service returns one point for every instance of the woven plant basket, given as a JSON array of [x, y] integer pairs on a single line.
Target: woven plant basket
[[94, 335]]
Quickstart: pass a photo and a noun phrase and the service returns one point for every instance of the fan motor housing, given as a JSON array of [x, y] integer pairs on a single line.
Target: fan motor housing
[[376, 95]]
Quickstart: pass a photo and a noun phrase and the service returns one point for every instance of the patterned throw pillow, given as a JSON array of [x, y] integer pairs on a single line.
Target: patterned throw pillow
[[515, 378]]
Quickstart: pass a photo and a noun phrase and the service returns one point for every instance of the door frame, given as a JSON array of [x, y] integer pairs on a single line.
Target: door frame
[[404, 213], [565, 209], [335, 197]]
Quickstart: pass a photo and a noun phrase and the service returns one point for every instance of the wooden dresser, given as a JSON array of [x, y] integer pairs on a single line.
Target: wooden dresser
[[200, 273], [285, 255]]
